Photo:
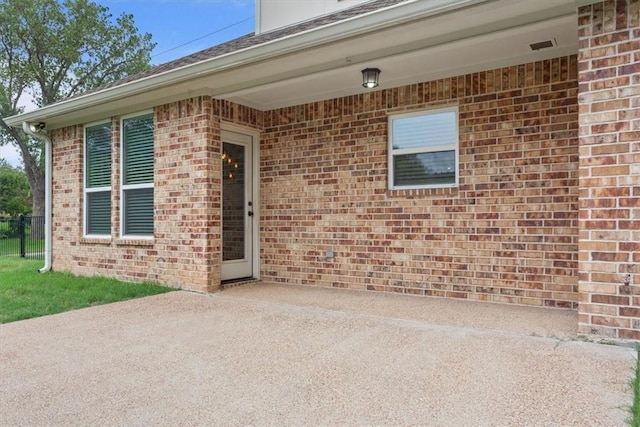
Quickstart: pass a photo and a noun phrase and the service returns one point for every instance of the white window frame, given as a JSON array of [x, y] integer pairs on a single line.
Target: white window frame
[[88, 190], [124, 188], [420, 150]]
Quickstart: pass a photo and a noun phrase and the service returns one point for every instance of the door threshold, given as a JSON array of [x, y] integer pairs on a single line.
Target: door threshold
[[231, 283]]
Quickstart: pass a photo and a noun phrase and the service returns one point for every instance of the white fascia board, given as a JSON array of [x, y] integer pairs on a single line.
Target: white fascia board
[[356, 26], [580, 3]]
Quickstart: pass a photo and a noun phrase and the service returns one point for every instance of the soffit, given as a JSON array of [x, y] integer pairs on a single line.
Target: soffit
[[407, 62]]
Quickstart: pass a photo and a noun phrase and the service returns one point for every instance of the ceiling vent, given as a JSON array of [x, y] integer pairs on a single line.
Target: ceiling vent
[[543, 45]]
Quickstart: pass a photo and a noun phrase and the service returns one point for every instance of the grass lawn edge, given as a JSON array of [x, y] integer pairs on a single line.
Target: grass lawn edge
[[25, 293]]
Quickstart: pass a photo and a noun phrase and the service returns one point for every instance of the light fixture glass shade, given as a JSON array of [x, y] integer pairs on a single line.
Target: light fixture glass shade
[[370, 77]]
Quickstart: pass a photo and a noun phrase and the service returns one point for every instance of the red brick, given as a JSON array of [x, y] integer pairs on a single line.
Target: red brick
[[609, 256], [609, 299], [630, 312], [613, 321], [629, 69], [609, 105], [629, 334]]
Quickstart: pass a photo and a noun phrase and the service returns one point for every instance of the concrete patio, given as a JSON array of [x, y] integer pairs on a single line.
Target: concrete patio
[[268, 354]]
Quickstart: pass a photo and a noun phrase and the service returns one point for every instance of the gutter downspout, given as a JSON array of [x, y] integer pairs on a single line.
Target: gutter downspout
[[41, 135]]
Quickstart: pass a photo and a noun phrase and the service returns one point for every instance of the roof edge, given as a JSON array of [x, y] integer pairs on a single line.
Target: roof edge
[[344, 29]]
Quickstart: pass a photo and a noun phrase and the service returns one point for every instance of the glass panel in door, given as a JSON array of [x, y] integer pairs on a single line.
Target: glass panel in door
[[237, 209], [233, 206]]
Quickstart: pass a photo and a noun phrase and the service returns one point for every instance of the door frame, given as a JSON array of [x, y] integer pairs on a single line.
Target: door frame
[[255, 191]]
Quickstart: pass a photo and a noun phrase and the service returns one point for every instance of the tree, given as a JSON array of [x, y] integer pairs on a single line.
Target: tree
[[15, 195], [51, 50]]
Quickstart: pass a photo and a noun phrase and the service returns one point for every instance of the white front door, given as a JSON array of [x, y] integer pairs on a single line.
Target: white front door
[[237, 206]]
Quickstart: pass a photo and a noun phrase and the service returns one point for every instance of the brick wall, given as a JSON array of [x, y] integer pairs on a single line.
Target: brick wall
[[186, 248], [186, 183], [509, 233], [186, 191], [609, 97]]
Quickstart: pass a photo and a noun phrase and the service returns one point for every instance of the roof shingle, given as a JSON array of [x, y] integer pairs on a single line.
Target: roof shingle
[[251, 40]]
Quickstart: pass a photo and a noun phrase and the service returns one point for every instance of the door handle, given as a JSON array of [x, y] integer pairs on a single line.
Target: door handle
[[250, 213]]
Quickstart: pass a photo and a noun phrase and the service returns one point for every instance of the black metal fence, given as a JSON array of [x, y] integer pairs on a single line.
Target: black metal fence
[[22, 237]]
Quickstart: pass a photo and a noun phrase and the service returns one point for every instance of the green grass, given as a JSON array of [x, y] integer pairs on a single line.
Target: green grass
[[634, 420], [25, 293]]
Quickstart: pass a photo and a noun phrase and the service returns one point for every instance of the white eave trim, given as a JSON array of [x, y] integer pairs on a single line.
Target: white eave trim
[[580, 3], [353, 27]]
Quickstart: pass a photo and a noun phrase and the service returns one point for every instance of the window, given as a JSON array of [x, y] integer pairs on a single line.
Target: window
[[97, 180], [137, 176], [423, 149]]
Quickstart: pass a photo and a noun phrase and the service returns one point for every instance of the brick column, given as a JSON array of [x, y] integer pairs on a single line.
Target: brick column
[[214, 202], [186, 194], [609, 99]]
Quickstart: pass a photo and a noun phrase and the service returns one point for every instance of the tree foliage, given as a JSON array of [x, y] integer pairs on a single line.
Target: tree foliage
[[15, 195], [51, 50]]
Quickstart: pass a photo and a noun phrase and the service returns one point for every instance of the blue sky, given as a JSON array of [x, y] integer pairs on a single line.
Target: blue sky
[[179, 27], [176, 22]]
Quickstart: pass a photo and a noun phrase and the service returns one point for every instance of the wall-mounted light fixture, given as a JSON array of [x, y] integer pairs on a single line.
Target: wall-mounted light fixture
[[37, 127], [370, 77]]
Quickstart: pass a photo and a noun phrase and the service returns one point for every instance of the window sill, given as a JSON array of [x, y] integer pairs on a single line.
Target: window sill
[[424, 192], [96, 240], [124, 241]]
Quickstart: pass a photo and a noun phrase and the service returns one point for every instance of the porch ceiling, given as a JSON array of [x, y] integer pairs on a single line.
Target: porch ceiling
[[406, 43], [410, 61]]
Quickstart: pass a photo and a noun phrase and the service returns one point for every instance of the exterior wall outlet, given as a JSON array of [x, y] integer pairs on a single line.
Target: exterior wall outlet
[[626, 279]]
